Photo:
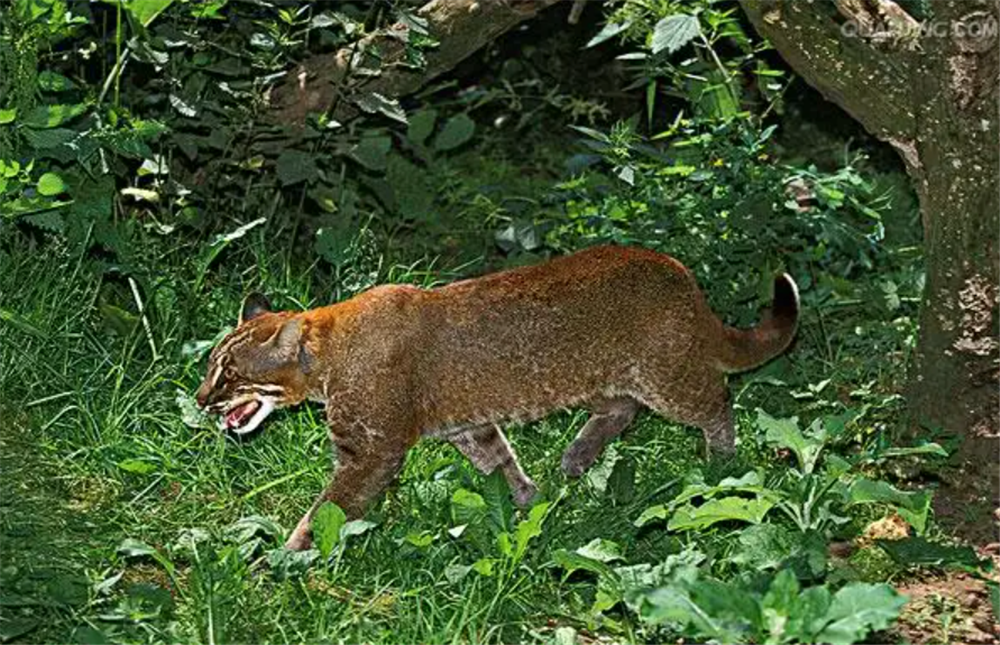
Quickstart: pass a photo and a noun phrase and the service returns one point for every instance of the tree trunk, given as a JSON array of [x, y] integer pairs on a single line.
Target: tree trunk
[[931, 90], [461, 27]]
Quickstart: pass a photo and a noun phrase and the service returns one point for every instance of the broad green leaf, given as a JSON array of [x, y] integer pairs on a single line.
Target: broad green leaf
[[859, 608], [296, 166], [629, 583], [719, 510], [608, 31], [354, 528], [413, 196], [17, 626], [673, 32], [326, 524], [921, 552], [420, 540], [130, 547], [599, 474], [573, 562], [621, 483], [674, 605], [421, 126], [484, 567], [51, 184], [734, 607], [778, 603], [50, 81], [247, 528], [189, 541], [455, 572], [49, 116], [715, 95], [911, 506], [8, 116], [87, 635], [763, 546], [785, 433], [657, 512], [496, 494], [146, 11], [9, 168], [467, 507], [750, 482], [807, 615], [529, 528], [285, 564], [49, 220], [601, 550], [372, 152], [504, 545], [456, 131], [208, 9]]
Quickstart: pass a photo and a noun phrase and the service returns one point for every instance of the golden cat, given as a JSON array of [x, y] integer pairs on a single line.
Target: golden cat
[[609, 328]]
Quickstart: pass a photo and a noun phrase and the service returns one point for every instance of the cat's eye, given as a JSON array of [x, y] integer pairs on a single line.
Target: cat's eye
[[229, 373]]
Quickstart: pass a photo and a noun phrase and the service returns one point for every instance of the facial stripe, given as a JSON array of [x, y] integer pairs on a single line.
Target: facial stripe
[[216, 374], [235, 339], [266, 388]]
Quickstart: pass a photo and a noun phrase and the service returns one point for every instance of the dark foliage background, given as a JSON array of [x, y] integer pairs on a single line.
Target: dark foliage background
[[145, 187]]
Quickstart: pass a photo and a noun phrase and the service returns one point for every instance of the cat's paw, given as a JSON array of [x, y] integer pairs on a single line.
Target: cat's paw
[[575, 462], [523, 495], [299, 540]]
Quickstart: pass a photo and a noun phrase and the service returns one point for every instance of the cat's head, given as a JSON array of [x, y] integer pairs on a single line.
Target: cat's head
[[259, 367]]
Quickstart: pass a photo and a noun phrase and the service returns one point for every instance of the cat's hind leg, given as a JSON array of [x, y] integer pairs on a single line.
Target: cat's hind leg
[[487, 448], [609, 418]]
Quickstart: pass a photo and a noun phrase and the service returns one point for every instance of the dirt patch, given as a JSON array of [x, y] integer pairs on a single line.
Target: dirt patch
[[950, 607]]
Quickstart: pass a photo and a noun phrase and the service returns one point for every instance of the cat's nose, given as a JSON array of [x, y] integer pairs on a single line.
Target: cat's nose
[[202, 396]]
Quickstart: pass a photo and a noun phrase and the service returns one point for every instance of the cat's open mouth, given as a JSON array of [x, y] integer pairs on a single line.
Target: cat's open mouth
[[245, 417]]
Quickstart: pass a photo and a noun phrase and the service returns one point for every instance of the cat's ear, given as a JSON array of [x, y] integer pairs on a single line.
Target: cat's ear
[[289, 337], [253, 305], [288, 342]]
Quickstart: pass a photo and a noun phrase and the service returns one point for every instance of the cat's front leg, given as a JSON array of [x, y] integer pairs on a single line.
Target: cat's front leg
[[368, 459]]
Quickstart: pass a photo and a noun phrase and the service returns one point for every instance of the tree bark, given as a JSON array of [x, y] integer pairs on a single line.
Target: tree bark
[[461, 27], [931, 90]]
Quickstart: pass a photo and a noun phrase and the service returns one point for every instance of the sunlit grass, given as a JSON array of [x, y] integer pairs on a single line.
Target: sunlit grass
[[107, 456]]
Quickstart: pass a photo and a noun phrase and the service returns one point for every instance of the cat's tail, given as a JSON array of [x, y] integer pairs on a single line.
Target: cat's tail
[[743, 349]]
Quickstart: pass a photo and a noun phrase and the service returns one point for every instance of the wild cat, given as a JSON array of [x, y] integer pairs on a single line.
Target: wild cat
[[610, 328]]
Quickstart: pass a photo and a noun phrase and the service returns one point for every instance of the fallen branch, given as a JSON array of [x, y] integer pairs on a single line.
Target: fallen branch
[[461, 27]]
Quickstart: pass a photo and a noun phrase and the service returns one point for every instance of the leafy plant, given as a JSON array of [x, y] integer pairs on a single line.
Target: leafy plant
[[815, 500], [501, 549], [705, 608], [722, 62]]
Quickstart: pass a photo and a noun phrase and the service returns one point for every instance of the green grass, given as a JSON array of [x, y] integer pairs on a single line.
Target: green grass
[[95, 451]]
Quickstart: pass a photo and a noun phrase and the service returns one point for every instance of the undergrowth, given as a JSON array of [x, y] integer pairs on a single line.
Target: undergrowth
[[136, 216]]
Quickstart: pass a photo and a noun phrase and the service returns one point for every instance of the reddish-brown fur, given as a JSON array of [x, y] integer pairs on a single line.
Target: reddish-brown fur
[[610, 328]]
